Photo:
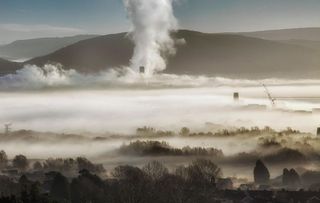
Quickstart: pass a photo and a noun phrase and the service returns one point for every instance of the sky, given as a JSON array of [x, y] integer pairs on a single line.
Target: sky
[[23, 19]]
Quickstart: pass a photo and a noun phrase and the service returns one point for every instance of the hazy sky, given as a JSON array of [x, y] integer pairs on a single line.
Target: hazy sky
[[36, 18]]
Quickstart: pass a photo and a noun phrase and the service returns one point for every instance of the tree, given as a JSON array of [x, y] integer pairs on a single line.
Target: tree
[[295, 178], [129, 173], [290, 178], [285, 176], [185, 131], [84, 163], [37, 166], [182, 171], [60, 188], [261, 173], [3, 159], [23, 180], [34, 193], [21, 162], [200, 180], [76, 194], [61, 165], [133, 184], [155, 170], [169, 188], [87, 187], [25, 185], [203, 171]]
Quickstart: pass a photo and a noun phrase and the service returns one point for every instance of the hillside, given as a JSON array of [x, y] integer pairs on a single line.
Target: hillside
[[312, 34], [227, 55], [8, 67], [31, 48], [305, 37], [239, 56], [92, 55], [304, 43]]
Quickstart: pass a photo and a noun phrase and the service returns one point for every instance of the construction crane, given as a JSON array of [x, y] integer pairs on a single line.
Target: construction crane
[[7, 128], [272, 100]]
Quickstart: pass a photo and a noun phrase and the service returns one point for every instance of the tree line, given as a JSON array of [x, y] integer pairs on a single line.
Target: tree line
[[153, 182], [156, 148]]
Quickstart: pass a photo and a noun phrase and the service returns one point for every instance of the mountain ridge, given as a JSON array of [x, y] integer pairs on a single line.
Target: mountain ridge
[[307, 33], [227, 55], [7, 67], [31, 48], [213, 54]]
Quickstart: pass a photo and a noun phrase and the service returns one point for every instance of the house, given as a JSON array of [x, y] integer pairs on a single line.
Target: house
[[224, 184]]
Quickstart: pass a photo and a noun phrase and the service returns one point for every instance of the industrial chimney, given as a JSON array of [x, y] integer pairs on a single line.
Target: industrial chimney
[[142, 69], [7, 128], [318, 131]]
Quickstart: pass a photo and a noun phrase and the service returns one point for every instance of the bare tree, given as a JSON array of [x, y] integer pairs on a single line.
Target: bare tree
[[203, 170], [155, 170], [132, 183], [84, 163], [37, 166]]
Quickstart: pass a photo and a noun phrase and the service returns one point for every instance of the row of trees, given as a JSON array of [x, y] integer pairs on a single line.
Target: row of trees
[[67, 166], [185, 131], [225, 133], [152, 132], [156, 148], [19, 161], [290, 178], [127, 184]]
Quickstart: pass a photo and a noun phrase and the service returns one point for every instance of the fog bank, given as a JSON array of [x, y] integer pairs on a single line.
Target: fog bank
[[120, 100]]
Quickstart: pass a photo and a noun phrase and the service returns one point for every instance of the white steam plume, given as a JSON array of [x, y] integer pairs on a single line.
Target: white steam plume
[[32, 77], [152, 23]]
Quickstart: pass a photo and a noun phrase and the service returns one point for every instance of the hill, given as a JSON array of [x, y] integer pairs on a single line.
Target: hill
[[312, 34], [92, 55], [228, 55], [305, 43], [8, 67], [246, 57], [31, 48]]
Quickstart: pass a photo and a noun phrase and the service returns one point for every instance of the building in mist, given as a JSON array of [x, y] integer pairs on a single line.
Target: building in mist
[[236, 96], [7, 128], [142, 69], [225, 184], [318, 131]]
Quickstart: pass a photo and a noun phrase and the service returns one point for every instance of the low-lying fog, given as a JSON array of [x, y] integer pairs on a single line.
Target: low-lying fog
[[116, 103], [123, 110]]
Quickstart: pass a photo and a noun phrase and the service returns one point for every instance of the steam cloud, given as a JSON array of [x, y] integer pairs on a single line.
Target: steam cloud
[[33, 77], [152, 22]]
